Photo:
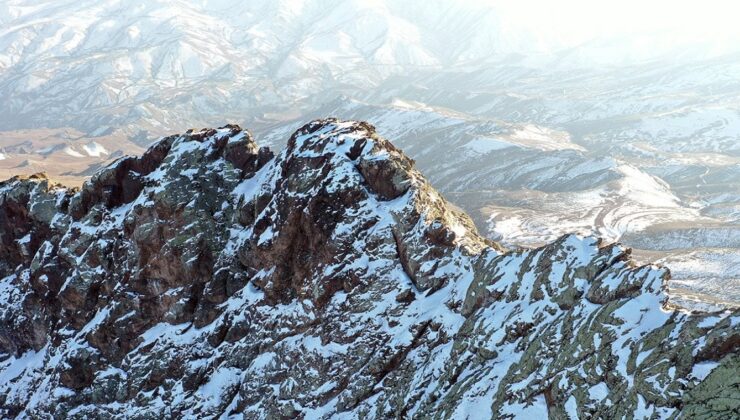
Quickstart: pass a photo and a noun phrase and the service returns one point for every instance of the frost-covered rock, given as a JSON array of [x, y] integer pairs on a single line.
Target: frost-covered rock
[[210, 278]]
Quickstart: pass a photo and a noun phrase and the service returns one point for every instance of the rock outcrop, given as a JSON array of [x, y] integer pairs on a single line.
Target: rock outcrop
[[209, 278]]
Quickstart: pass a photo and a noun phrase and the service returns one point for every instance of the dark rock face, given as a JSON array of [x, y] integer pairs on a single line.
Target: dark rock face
[[211, 278], [29, 226]]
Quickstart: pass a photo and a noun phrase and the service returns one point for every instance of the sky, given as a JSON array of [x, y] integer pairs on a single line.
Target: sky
[[626, 28]]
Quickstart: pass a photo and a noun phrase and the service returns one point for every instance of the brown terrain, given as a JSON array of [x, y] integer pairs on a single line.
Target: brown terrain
[[65, 154]]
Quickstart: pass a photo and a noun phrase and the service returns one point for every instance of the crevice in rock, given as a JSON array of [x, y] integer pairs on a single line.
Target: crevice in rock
[[403, 258]]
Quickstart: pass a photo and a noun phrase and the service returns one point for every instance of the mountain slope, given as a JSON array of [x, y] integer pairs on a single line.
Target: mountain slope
[[162, 63], [210, 278], [526, 185], [574, 119]]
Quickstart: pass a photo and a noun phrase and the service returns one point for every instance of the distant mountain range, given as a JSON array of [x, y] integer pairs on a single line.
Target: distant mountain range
[[533, 142]]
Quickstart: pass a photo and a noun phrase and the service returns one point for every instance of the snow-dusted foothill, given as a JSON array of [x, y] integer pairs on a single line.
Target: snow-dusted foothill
[[211, 278]]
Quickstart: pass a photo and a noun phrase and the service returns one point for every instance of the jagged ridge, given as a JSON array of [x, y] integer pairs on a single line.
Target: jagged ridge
[[210, 278]]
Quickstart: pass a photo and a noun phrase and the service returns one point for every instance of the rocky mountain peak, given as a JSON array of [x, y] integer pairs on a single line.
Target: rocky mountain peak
[[210, 277], [355, 148]]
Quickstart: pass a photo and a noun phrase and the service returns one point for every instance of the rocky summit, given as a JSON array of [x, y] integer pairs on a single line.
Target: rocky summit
[[211, 278]]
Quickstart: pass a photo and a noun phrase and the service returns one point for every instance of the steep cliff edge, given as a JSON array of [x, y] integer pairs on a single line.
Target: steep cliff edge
[[209, 278]]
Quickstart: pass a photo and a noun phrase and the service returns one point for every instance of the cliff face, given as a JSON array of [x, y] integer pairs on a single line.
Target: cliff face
[[210, 278]]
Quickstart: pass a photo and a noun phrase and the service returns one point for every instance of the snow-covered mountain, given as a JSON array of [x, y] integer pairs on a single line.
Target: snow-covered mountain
[[210, 278], [152, 64], [534, 135], [526, 185], [157, 63]]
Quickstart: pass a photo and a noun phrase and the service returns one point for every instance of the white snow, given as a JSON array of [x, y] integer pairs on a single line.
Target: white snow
[[72, 152], [702, 370], [598, 392], [485, 145], [219, 381], [542, 138], [94, 149]]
